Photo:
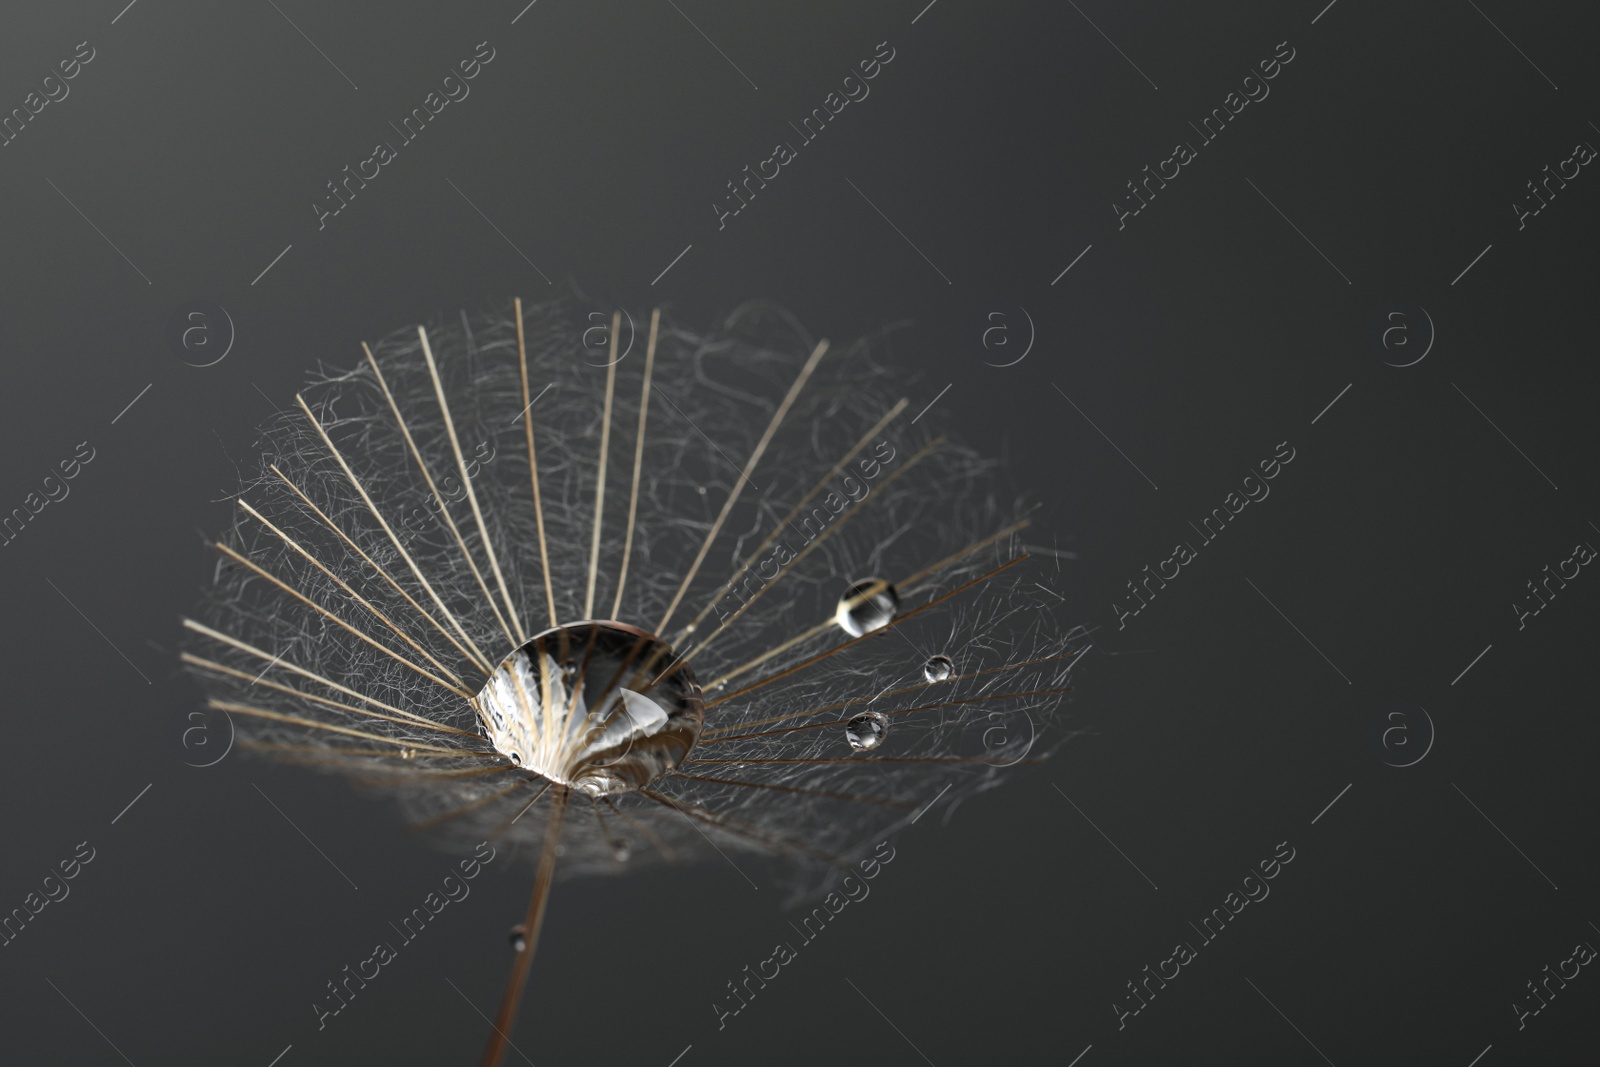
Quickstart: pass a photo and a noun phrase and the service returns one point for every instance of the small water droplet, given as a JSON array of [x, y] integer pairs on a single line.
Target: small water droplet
[[866, 731], [619, 850], [515, 758], [408, 753], [938, 669], [518, 937], [867, 606]]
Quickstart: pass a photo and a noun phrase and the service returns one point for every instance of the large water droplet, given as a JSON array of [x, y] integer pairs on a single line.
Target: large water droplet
[[866, 731], [583, 706], [938, 669], [866, 606]]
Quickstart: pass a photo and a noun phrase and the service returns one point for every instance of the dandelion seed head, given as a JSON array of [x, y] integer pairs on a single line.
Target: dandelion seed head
[[678, 635]]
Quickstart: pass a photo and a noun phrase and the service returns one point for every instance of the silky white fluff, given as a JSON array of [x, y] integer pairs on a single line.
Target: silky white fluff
[[711, 400]]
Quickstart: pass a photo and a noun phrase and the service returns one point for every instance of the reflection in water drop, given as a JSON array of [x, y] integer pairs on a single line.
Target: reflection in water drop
[[583, 706], [938, 669], [867, 730], [866, 606]]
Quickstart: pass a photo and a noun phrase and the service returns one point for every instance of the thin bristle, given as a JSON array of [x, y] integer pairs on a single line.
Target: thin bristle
[[812, 546], [336, 620], [433, 489], [472, 494], [381, 572], [744, 479], [600, 477], [854, 798], [357, 597], [279, 661], [803, 664], [638, 460], [783, 523], [713, 734], [387, 529], [533, 466], [349, 709]]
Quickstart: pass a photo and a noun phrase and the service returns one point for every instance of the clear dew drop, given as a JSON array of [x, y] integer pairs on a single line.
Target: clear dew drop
[[867, 606], [866, 731], [518, 937], [939, 669], [564, 705]]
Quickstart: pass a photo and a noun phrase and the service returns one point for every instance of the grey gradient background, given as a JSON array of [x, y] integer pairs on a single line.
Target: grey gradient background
[[1197, 338]]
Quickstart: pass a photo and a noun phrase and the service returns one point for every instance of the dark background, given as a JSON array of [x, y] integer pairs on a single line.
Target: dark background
[[1196, 338]]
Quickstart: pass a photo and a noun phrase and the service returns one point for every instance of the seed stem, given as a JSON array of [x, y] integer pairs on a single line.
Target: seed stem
[[506, 1019]]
